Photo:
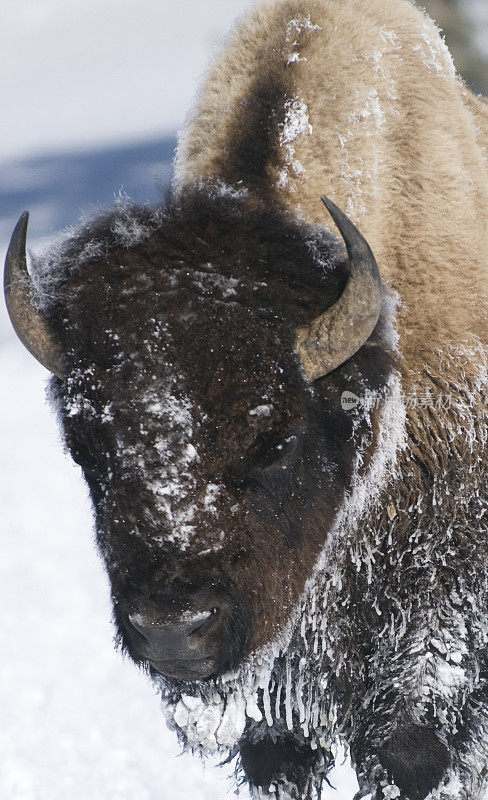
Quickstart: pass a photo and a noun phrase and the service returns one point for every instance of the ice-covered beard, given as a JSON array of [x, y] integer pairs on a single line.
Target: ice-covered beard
[[286, 686], [274, 691]]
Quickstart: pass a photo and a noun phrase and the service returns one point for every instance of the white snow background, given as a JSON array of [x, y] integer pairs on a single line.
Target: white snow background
[[92, 94]]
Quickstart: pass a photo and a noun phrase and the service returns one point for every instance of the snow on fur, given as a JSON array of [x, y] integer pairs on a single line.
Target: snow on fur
[[216, 717]]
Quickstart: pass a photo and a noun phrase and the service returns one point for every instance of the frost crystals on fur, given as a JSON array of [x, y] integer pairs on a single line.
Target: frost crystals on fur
[[296, 124]]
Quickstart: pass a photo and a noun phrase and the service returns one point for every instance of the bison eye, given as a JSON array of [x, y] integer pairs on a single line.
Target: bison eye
[[273, 454], [279, 456]]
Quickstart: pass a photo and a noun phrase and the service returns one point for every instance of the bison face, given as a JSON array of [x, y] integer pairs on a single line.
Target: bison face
[[215, 466]]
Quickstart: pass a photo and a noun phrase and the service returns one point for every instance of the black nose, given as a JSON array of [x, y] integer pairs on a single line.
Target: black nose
[[186, 639], [177, 648]]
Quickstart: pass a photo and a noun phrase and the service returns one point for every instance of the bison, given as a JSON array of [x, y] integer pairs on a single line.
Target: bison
[[286, 453]]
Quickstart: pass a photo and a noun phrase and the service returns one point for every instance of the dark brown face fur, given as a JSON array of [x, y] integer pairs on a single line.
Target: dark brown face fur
[[214, 469]]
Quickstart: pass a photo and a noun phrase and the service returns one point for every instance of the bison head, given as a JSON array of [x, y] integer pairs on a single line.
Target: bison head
[[200, 350]]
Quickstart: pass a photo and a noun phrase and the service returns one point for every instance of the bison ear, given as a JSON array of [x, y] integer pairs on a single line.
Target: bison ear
[[339, 332], [28, 323]]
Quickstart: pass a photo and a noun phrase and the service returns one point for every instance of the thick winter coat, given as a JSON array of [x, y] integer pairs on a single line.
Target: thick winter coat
[[297, 552]]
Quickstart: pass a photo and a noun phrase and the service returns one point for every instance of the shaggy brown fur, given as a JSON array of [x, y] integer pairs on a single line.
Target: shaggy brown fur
[[377, 552], [382, 98]]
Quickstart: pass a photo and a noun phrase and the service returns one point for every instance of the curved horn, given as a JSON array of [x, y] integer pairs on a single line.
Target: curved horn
[[340, 331], [29, 325]]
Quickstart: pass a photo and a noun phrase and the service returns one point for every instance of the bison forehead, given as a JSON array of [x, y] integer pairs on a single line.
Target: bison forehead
[[207, 297], [226, 359], [209, 244]]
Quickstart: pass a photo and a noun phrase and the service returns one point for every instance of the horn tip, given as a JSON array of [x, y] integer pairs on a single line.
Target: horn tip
[[335, 212], [16, 250], [23, 221], [327, 201], [19, 235]]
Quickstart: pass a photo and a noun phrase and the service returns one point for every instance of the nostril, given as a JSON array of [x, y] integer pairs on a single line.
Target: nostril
[[186, 624], [200, 623], [193, 622], [142, 623], [197, 627]]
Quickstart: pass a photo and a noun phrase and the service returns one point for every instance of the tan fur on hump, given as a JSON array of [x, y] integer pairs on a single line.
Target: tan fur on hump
[[397, 141]]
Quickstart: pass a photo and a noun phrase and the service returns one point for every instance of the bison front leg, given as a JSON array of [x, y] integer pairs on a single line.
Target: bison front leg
[[411, 736], [410, 763], [425, 742], [281, 765], [468, 777], [419, 765]]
